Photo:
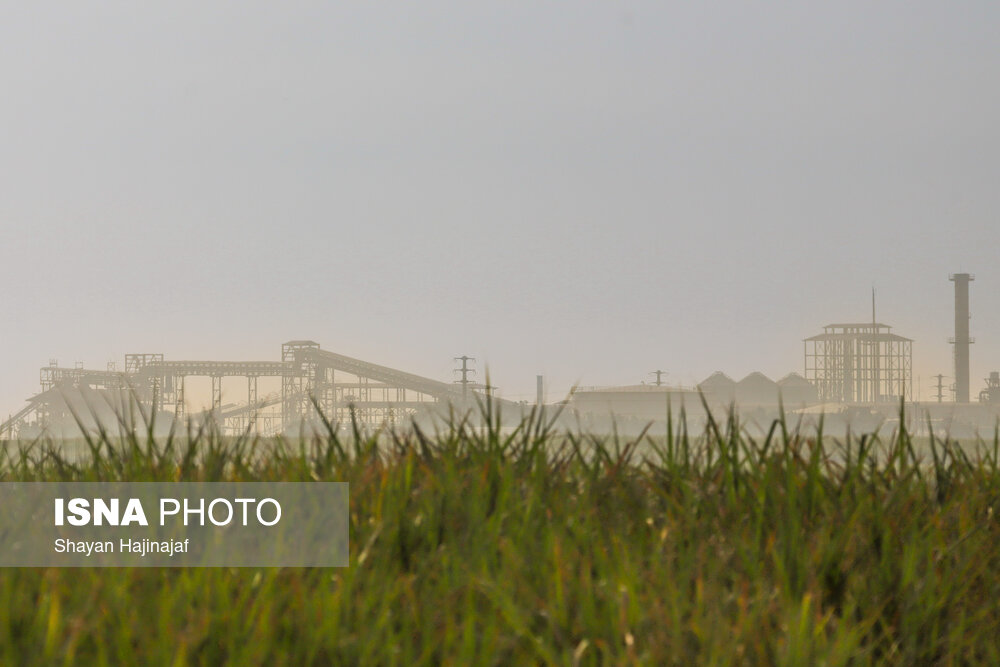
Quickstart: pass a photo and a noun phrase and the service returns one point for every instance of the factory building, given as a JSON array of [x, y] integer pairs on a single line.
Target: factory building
[[796, 391], [756, 389], [718, 388], [860, 363], [644, 401]]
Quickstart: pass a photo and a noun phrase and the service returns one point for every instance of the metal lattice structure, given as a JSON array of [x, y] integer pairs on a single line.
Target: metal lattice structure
[[860, 363], [342, 387]]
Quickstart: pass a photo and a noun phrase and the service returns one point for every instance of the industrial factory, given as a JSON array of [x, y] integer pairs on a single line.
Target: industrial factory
[[853, 373], [858, 373], [313, 385]]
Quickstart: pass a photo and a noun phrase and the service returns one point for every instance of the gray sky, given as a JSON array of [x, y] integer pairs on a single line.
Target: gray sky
[[585, 190]]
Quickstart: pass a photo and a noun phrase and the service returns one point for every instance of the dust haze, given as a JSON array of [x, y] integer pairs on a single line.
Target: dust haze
[[652, 203]]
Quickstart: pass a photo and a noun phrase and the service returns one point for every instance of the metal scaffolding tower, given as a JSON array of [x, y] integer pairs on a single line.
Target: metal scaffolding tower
[[859, 363]]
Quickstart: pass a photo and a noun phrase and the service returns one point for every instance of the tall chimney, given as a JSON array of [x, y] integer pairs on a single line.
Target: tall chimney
[[540, 399], [961, 339]]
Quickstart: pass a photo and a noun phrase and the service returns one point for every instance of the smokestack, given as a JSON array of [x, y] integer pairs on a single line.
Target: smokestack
[[961, 339], [540, 397]]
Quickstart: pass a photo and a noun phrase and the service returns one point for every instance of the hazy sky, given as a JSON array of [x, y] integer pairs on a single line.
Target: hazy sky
[[585, 190]]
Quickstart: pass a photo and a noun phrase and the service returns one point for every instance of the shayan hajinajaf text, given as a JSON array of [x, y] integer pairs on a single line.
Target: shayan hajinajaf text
[[139, 547]]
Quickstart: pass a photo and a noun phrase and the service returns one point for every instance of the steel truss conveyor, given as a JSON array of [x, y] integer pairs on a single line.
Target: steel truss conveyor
[[342, 387]]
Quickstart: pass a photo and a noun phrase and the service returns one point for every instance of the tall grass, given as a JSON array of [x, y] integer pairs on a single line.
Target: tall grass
[[486, 545]]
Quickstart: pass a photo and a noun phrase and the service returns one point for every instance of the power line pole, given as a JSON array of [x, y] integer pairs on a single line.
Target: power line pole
[[659, 377], [464, 370], [940, 387]]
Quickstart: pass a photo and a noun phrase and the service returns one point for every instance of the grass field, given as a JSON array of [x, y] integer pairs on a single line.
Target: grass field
[[482, 546]]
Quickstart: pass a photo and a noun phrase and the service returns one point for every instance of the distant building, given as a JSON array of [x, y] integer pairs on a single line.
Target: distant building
[[796, 391], [859, 363], [756, 393], [642, 400], [756, 389], [718, 388]]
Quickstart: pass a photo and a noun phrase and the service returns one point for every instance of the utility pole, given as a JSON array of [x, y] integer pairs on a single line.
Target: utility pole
[[464, 370], [940, 387], [659, 377]]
